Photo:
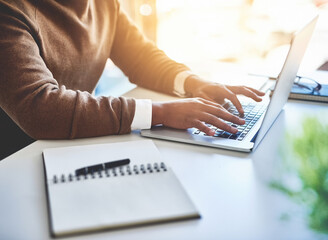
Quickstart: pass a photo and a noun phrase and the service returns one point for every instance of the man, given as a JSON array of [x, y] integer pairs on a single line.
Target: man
[[53, 53]]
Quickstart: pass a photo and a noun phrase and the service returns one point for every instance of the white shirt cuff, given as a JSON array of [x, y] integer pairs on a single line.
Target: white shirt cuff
[[179, 81], [142, 115]]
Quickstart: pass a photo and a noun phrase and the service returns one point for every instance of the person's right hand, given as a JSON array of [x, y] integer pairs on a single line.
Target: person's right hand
[[194, 112]]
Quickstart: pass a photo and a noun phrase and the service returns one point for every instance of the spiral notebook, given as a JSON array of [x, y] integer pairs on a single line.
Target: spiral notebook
[[145, 191]]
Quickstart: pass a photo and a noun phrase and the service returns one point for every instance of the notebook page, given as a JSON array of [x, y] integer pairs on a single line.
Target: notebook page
[[67, 159], [118, 202]]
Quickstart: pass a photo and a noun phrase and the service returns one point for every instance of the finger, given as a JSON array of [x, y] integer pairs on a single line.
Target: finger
[[225, 115], [209, 101], [213, 120], [202, 127], [260, 93], [233, 98], [248, 93], [218, 109]]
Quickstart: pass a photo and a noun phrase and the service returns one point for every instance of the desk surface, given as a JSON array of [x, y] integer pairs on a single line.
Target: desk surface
[[230, 189]]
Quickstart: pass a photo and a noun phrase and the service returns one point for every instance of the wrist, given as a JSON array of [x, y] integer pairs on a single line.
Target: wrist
[[192, 84], [157, 113]]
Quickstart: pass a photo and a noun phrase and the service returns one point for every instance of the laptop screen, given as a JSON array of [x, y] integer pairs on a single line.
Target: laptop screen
[[286, 77]]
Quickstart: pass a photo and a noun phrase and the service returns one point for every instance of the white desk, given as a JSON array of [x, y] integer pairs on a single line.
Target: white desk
[[230, 189]]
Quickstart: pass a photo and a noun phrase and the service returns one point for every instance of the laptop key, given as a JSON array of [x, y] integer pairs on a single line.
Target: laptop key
[[233, 136], [225, 135]]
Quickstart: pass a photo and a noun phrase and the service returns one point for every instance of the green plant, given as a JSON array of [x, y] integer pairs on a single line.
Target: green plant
[[306, 157]]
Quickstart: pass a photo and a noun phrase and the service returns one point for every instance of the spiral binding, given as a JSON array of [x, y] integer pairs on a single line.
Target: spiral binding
[[113, 172]]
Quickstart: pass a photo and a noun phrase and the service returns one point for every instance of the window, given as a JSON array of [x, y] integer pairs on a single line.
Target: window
[[215, 36]]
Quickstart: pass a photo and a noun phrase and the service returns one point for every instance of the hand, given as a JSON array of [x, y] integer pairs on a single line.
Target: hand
[[193, 112], [205, 108], [218, 92]]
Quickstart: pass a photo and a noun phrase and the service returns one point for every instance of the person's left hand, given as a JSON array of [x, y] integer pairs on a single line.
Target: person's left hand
[[216, 92]]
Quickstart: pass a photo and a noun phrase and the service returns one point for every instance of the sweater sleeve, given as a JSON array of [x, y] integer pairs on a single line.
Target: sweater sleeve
[[143, 63], [31, 96]]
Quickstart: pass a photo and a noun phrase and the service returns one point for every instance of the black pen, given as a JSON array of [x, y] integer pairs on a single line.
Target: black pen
[[102, 166]]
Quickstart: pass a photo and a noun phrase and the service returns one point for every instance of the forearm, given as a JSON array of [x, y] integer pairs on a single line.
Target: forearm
[[48, 112], [141, 60]]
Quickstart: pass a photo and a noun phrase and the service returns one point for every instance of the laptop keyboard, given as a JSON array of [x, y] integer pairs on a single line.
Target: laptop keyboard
[[252, 113]]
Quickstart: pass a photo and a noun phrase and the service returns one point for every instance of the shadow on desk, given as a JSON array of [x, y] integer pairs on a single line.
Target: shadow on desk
[[267, 155], [12, 138]]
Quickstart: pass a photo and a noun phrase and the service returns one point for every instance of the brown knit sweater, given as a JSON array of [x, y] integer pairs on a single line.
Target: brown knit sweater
[[52, 53]]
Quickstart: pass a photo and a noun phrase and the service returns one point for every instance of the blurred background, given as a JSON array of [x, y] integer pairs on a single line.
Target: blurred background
[[223, 40]]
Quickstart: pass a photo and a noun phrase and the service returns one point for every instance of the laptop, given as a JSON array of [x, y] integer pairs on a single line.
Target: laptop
[[259, 117]]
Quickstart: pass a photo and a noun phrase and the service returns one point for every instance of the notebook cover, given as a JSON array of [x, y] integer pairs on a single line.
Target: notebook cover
[[303, 94]]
